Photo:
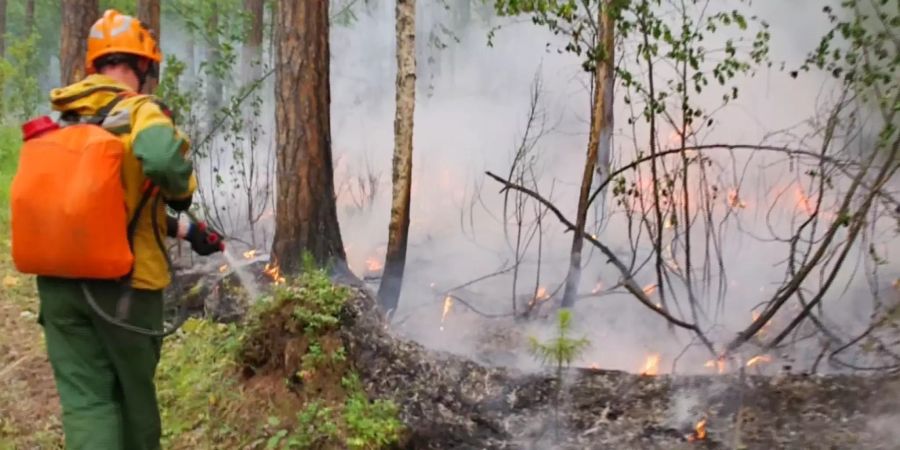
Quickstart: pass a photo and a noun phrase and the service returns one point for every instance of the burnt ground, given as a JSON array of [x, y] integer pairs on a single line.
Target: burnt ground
[[450, 402]]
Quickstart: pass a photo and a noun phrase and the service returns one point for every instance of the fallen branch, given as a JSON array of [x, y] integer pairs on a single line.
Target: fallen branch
[[628, 280]]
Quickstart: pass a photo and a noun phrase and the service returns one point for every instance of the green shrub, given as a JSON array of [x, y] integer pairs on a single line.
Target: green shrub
[[10, 141]]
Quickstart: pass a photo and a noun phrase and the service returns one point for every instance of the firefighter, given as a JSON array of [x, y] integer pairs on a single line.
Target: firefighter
[[104, 373]]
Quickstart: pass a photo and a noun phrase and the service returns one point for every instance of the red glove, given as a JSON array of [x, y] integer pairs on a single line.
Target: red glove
[[204, 240]]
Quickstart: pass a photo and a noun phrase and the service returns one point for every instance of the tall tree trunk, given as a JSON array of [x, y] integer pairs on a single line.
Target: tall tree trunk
[[251, 55], [77, 18], [29, 16], [306, 214], [2, 28], [604, 157], [398, 229], [148, 13], [213, 55], [602, 72]]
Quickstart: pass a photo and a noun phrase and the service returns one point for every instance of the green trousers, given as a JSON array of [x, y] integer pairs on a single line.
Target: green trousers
[[104, 374]]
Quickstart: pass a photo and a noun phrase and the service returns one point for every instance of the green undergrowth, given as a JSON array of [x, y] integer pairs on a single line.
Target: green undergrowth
[[10, 141], [281, 380]]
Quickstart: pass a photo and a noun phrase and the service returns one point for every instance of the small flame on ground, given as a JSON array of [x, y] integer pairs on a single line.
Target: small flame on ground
[[594, 366], [699, 433], [448, 304], [373, 264], [649, 289], [274, 272], [597, 288], [719, 364], [223, 268], [759, 359], [249, 254], [541, 294], [651, 365]]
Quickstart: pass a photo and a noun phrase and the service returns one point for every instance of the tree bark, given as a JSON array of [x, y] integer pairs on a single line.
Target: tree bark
[[602, 72], [148, 14], [29, 16], [398, 229], [2, 28], [77, 18], [251, 55], [306, 214]]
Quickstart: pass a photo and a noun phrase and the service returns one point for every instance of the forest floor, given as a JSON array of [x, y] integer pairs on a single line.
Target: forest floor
[[29, 406]]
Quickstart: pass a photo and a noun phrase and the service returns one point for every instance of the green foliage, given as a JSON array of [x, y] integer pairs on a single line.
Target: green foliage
[[862, 50], [195, 375], [318, 300], [370, 424], [562, 350], [199, 393], [18, 78], [315, 426], [10, 141]]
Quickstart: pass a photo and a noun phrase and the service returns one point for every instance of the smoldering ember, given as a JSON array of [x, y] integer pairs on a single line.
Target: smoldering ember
[[510, 224]]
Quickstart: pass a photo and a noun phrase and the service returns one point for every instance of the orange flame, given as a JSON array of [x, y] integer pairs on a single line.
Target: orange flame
[[274, 272], [448, 304], [762, 331], [373, 264], [597, 288], [223, 268], [541, 294], [803, 202], [699, 433], [734, 199], [651, 365], [594, 366], [759, 359], [649, 289], [249, 254], [720, 364]]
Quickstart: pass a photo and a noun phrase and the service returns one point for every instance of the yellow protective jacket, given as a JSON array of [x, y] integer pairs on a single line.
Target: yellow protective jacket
[[155, 150]]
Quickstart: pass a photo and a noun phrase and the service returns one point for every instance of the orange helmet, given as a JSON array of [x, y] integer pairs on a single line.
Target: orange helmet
[[118, 33]]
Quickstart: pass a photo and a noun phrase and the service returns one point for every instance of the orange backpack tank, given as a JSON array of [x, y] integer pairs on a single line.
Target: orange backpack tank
[[69, 217]]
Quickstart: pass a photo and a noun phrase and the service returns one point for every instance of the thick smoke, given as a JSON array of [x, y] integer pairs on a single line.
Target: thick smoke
[[472, 103]]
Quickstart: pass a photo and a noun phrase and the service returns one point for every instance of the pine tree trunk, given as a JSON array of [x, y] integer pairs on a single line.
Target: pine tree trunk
[[251, 55], [2, 28], [602, 72], [77, 18], [148, 14], [29, 16], [306, 215], [398, 229]]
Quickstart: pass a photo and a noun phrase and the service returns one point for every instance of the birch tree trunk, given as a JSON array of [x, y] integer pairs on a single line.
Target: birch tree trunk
[[306, 214], [398, 229], [77, 18], [603, 71], [604, 156], [148, 14]]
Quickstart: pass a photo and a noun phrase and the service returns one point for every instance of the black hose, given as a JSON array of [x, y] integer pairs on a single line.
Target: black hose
[[182, 315]]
